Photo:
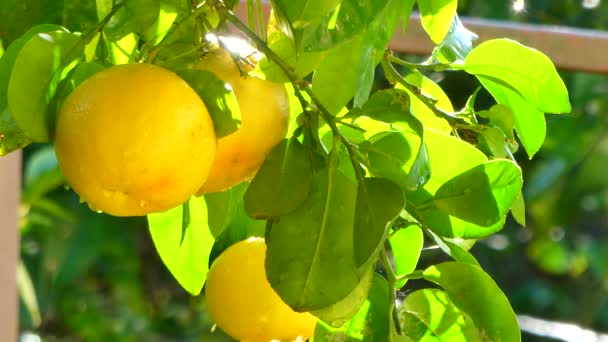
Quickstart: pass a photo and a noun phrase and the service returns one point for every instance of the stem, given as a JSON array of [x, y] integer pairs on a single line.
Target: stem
[[420, 66], [393, 75], [392, 281]]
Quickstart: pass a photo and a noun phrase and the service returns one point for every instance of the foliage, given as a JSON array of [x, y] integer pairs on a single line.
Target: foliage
[[363, 174]]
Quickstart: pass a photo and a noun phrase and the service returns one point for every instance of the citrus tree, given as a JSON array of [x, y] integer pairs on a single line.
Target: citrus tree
[[219, 129]]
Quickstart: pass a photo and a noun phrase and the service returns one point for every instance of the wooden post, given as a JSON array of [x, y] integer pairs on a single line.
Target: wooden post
[[10, 187]]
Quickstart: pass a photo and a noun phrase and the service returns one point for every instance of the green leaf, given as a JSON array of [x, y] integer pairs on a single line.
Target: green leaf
[[41, 175], [305, 12], [315, 243], [529, 122], [483, 194], [302, 62], [528, 71], [42, 62], [331, 72], [502, 117], [456, 251], [392, 106], [496, 141], [474, 292], [393, 155], [428, 315], [518, 210], [361, 53], [449, 157], [349, 20], [370, 323], [339, 313], [238, 225], [188, 261], [420, 110], [456, 45], [406, 245], [223, 206], [135, 16], [218, 98], [282, 183], [379, 202], [436, 17], [12, 137], [168, 12]]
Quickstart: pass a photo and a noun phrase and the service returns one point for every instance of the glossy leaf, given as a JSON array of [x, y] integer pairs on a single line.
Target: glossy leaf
[[518, 210], [302, 62], [218, 98], [392, 106], [134, 16], [406, 245], [422, 111], [529, 122], [502, 117], [41, 174], [305, 12], [379, 202], [475, 293], [315, 243], [529, 72], [362, 52], [348, 21], [371, 322], [436, 17], [187, 259], [223, 206], [12, 137], [456, 45], [391, 154], [30, 90], [339, 313], [428, 315], [282, 183], [447, 163], [482, 195], [456, 251]]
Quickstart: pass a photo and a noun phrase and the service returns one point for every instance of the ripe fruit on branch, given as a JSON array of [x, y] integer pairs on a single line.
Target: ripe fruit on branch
[[134, 139], [264, 107], [242, 303]]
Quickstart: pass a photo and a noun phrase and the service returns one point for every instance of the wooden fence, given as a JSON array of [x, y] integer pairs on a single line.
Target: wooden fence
[[570, 49]]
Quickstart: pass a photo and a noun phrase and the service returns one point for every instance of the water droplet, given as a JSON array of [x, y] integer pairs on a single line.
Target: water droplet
[[421, 180], [143, 203], [66, 187], [99, 211]]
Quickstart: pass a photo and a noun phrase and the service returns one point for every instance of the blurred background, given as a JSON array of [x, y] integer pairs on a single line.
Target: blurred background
[[88, 276]]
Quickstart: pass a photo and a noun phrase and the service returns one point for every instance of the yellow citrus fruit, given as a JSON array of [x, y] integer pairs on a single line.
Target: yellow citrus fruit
[[243, 304], [264, 107], [134, 139]]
